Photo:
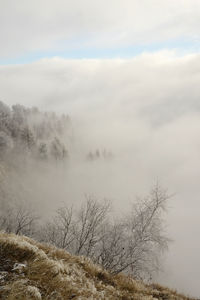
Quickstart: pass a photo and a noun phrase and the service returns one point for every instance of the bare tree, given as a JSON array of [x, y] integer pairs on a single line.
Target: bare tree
[[79, 230], [147, 231], [60, 231], [24, 219], [19, 218], [90, 219], [134, 244], [110, 251]]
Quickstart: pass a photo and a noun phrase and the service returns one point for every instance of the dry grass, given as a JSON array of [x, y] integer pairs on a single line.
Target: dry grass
[[37, 271]]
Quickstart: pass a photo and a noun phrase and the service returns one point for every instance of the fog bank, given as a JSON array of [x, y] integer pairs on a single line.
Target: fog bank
[[146, 112]]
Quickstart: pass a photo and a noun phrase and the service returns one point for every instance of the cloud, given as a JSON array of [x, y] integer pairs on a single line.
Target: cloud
[[146, 111], [58, 26]]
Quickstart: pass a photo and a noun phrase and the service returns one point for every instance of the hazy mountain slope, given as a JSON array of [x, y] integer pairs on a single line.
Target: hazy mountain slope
[[29, 270]]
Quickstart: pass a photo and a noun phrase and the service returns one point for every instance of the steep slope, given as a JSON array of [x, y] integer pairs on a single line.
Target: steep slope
[[30, 270]]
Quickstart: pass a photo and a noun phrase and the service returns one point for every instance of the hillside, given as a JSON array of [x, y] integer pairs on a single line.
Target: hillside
[[29, 270]]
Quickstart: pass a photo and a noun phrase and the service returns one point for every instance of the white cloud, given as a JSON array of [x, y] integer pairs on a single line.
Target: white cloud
[[146, 110], [48, 25]]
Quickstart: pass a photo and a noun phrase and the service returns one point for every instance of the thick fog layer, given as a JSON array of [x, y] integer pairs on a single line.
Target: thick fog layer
[[144, 112]]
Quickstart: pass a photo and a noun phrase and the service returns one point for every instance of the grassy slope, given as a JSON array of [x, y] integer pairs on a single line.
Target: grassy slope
[[29, 270]]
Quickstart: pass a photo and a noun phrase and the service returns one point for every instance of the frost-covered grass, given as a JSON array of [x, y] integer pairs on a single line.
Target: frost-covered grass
[[45, 272]]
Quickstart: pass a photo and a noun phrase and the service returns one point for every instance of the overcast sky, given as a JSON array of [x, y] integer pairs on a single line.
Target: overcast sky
[[129, 73], [31, 30]]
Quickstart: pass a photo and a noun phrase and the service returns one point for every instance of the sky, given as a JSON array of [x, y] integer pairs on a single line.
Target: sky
[[31, 30], [128, 74]]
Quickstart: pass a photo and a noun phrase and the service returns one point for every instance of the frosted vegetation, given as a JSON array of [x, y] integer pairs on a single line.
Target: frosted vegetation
[[25, 131], [31, 141], [36, 271]]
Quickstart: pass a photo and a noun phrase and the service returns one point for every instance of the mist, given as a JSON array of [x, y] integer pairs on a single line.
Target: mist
[[146, 112]]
